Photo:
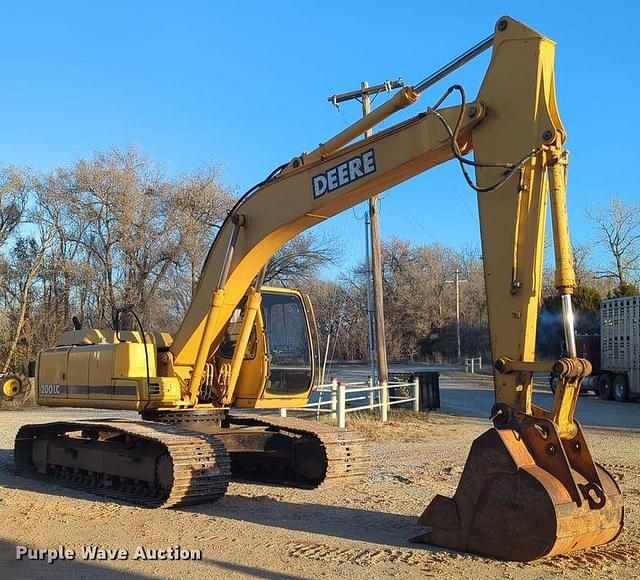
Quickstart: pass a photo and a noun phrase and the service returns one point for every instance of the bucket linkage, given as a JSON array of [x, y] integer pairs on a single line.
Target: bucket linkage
[[526, 492]]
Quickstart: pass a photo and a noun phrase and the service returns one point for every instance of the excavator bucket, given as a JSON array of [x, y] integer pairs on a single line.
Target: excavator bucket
[[524, 494]]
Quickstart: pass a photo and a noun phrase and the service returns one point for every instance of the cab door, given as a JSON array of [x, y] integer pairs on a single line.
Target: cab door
[[289, 344], [278, 366]]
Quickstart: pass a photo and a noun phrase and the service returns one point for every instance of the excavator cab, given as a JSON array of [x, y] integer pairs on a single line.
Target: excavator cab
[[289, 344], [278, 367]]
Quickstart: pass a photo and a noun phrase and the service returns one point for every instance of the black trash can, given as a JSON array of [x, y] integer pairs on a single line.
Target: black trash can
[[429, 390]]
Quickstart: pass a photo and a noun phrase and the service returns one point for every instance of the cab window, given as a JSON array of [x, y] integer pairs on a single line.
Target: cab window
[[233, 332], [288, 344]]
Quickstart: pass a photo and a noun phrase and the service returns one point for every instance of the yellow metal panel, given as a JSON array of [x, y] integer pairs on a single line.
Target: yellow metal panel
[[108, 336], [52, 376], [165, 390], [253, 373], [78, 372], [130, 360], [127, 390], [101, 371]]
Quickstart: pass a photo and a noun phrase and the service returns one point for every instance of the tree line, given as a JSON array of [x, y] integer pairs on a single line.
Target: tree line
[[107, 231], [419, 301], [86, 238]]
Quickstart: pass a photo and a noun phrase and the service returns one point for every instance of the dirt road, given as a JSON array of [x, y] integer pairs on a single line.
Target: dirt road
[[359, 531]]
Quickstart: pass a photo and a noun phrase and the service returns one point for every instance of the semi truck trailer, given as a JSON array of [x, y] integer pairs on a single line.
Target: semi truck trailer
[[614, 353], [619, 376]]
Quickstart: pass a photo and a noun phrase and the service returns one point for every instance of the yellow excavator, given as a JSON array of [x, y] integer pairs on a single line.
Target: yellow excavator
[[530, 487]]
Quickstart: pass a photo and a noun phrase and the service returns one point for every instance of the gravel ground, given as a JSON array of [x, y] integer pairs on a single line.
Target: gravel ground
[[356, 531]]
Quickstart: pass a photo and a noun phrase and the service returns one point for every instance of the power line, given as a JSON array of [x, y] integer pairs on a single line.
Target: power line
[[412, 219], [353, 209], [457, 191]]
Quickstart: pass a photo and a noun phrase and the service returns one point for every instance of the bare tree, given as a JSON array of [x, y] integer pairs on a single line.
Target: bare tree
[[198, 203], [29, 256], [340, 312], [581, 257], [618, 227], [14, 184], [119, 230], [148, 233], [301, 259], [66, 274]]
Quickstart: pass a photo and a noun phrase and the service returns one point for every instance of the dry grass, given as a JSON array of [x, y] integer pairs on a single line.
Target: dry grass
[[404, 425]]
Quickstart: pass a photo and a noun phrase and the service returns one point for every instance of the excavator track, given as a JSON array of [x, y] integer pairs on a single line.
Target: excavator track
[[341, 451], [280, 450], [150, 465]]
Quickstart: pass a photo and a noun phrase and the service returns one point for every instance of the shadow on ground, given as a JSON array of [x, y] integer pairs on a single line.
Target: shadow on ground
[[67, 569], [250, 571], [338, 521], [342, 522]]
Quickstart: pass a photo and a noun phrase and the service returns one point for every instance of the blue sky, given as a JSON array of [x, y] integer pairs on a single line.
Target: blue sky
[[244, 84]]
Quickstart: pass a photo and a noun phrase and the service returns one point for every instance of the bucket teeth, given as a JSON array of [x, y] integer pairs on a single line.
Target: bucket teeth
[[524, 494]]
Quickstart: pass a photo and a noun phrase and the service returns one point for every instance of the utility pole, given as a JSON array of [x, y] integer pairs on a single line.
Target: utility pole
[[376, 263], [364, 95], [457, 281], [372, 343]]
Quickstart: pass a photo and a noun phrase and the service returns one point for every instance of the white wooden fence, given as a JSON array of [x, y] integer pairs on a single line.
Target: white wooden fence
[[338, 399], [470, 363]]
